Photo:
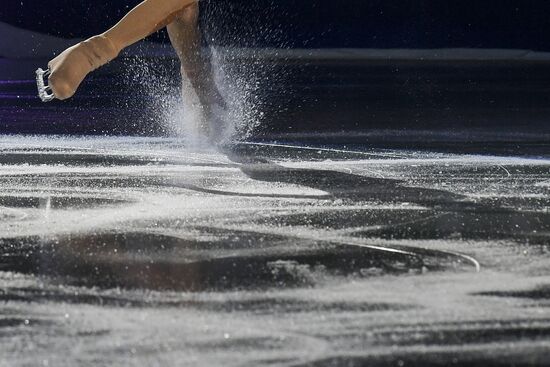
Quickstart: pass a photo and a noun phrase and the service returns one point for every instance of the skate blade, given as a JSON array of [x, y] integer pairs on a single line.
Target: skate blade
[[44, 91]]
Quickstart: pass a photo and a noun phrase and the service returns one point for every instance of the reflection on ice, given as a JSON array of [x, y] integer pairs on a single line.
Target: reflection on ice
[[227, 261]]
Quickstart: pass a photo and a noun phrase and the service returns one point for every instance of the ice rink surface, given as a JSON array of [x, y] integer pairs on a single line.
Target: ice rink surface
[[423, 241], [143, 251]]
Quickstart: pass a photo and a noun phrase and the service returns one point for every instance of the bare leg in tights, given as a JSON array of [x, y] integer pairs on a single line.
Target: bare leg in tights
[[196, 67], [70, 68]]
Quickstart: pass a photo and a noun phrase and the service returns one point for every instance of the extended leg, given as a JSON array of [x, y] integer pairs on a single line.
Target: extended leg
[[72, 65]]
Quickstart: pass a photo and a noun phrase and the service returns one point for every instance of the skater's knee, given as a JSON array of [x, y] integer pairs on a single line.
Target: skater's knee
[[190, 14]]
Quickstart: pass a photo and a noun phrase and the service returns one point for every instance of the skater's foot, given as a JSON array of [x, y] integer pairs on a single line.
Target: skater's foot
[[70, 68]]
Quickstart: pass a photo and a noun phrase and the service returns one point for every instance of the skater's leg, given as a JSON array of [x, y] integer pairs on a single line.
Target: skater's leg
[[71, 66], [196, 67], [185, 36]]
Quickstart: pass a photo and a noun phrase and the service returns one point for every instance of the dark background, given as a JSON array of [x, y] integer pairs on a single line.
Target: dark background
[[380, 101], [519, 24]]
